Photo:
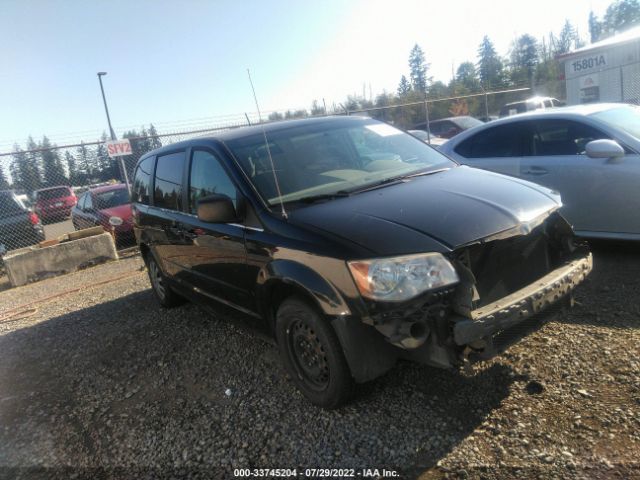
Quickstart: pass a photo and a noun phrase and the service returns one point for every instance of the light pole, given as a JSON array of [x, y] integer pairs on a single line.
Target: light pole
[[113, 134], [106, 109]]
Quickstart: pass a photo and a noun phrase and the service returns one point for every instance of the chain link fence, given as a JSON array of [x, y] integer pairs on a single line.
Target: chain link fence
[[42, 189], [41, 184], [429, 112]]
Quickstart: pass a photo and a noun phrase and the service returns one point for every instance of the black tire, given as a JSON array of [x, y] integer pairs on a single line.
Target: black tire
[[312, 354], [163, 292]]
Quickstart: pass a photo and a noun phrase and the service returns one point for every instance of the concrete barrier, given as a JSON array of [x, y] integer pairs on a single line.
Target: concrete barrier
[[33, 264]]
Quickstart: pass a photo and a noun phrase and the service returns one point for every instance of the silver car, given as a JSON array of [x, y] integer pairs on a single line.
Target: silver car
[[588, 153]]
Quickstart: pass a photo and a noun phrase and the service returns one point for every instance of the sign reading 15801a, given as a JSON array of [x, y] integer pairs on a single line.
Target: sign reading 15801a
[[587, 63]]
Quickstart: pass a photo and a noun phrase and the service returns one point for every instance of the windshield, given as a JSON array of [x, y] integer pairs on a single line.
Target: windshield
[[112, 198], [52, 193], [324, 158], [625, 118], [10, 205]]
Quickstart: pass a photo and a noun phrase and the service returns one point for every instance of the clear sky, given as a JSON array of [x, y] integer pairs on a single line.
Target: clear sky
[[172, 61]]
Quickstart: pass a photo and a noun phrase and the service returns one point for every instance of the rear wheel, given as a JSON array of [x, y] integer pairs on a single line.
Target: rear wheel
[[164, 294], [312, 354]]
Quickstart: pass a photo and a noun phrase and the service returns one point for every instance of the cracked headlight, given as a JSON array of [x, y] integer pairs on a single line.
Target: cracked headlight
[[402, 278]]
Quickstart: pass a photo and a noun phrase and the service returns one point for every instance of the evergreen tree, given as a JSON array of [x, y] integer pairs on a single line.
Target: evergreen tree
[[524, 58], [595, 28], [418, 68], [316, 109], [490, 67], [85, 164], [25, 171], [53, 171], [620, 16], [404, 87], [154, 140], [467, 77], [567, 39], [4, 183], [72, 169], [106, 166]]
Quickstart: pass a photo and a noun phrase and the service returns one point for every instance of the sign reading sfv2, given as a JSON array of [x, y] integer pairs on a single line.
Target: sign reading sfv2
[[118, 148]]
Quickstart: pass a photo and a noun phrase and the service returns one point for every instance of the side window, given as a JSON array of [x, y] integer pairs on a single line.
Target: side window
[[500, 141], [88, 202], [142, 181], [208, 177], [562, 137], [168, 181]]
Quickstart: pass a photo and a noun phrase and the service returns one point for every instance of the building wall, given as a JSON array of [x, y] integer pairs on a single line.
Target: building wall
[[607, 74]]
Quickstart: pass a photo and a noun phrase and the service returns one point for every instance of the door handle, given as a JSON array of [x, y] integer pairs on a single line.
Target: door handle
[[190, 234], [536, 171], [177, 231]]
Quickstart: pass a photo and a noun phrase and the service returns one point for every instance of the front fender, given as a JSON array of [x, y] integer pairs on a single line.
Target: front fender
[[301, 276]]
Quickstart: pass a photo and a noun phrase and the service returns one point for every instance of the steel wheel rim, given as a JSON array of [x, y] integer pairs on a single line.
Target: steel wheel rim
[[156, 279], [308, 355]]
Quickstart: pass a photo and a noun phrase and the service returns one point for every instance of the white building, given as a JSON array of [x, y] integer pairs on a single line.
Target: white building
[[605, 71]]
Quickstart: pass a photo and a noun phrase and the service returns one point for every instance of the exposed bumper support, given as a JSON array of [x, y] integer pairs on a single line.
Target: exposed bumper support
[[523, 304]]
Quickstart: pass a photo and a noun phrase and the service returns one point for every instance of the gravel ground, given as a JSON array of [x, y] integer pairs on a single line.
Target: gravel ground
[[101, 383]]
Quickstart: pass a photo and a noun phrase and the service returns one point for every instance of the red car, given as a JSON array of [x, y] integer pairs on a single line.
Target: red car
[[54, 203], [108, 206]]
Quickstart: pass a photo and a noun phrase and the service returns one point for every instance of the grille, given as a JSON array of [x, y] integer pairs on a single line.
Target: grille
[[502, 267]]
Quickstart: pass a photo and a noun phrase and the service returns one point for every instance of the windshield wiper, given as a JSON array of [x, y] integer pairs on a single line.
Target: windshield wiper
[[427, 172], [322, 196], [396, 180]]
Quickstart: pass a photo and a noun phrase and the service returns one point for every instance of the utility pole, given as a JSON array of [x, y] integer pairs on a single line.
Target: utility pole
[[123, 168]]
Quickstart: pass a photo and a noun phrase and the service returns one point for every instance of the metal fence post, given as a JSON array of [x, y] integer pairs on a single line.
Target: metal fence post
[[426, 114]]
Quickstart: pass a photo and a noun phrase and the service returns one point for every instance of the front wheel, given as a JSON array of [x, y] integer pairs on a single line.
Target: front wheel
[[164, 294], [312, 354]]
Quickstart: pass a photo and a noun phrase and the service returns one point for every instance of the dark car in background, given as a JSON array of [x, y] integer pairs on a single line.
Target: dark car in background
[[355, 244], [423, 135], [19, 227], [107, 206], [54, 204], [449, 127]]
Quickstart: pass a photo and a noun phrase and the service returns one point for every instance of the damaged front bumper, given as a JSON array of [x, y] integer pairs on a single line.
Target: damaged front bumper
[[504, 314]]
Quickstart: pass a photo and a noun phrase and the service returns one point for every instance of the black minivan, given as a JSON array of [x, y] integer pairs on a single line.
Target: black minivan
[[356, 244]]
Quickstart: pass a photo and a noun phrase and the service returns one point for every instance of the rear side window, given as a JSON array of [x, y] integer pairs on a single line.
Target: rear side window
[[168, 181], [208, 177], [501, 141], [142, 181], [53, 193], [441, 127]]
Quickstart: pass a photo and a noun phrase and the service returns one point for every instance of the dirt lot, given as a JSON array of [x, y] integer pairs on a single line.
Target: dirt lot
[[98, 382]]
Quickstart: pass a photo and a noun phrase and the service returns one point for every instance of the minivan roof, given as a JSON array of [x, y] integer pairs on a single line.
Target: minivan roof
[[247, 131]]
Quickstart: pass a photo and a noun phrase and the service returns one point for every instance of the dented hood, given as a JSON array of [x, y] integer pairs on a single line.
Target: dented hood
[[437, 212]]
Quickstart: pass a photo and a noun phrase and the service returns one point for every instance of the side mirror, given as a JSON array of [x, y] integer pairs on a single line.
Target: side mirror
[[604, 149], [216, 209]]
